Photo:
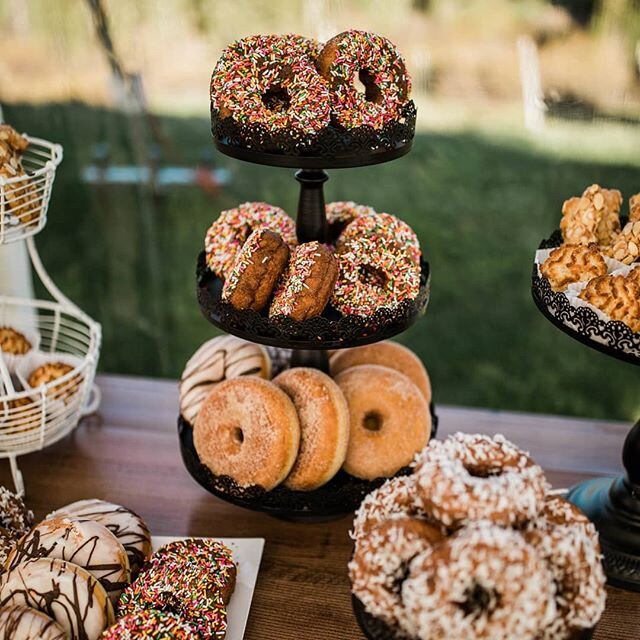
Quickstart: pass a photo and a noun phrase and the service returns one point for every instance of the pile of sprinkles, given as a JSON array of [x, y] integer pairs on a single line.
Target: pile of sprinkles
[[230, 231]]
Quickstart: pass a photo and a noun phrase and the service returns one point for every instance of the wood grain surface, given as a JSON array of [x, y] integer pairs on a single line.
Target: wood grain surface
[[128, 453]]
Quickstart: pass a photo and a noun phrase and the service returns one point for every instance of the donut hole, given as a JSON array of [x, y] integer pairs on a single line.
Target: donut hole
[[373, 276], [364, 83], [372, 421], [483, 472], [237, 435], [276, 98], [478, 600]]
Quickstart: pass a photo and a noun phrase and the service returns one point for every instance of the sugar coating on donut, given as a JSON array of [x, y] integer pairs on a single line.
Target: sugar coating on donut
[[271, 80], [150, 625], [568, 542], [471, 477], [228, 233], [485, 583], [396, 498], [380, 563], [25, 623], [379, 66]]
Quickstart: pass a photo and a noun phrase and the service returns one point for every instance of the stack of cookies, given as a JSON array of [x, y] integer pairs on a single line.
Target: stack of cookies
[[598, 263], [299, 429], [373, 262]]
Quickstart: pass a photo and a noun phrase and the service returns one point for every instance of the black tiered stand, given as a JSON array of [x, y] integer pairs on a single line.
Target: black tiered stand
[[310, 339], [612, 504]]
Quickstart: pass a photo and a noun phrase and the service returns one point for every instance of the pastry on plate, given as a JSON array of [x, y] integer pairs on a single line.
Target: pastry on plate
[[626, 246], [616, 296], [571, 263]]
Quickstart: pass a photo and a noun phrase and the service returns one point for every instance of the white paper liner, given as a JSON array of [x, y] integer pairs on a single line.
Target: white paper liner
[[12, 360]]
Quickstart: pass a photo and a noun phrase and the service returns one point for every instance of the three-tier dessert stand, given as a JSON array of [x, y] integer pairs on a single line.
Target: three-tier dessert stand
[[309, 340], [612, 504], [31, 419]]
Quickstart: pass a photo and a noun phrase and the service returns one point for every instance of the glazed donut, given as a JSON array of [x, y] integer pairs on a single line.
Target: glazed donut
[[248, 429], [150, 625], [218, 359], [226, 236], [128, 527], [376, 271], [255, 273], [380, 563], [568, 542], [66, 592], [379, 67], [324, 426], [396, 233], [341, 213], [386, 354], [271, 81], [24, 623], [483, 583], [396, 498], [88, 544], [389, 418], [476, 477], [306, 284]]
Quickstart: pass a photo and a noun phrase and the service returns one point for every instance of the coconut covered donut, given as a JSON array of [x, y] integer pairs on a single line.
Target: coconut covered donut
[[256, 271], [568, 541], [64, 591], [324, 426], [226, 236], [376, 63], [380, 563], [86, 543], [389, 418], [483, 583], [271, 81], [25, 623], [386, 354], [150, 625], [476, 477], [248, 429]]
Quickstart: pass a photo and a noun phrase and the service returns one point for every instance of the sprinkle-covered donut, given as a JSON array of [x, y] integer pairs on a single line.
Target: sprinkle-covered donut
[[226, 236], [306, 284], [272, 81], [324, 426], [476, 477], [341, 213], [248, 429], [483, 583], [389, 418], [566, 539], [25, 623], [376, 63], [150, 625], [257, 268], [380, 563]]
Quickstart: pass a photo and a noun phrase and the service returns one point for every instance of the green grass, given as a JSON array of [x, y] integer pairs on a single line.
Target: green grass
[[480, 206]]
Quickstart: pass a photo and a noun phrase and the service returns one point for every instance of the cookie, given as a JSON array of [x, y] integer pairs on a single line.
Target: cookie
[[13, 342], [634, 208], [50, 372], [571, 263], [616, 296], [626, 246]]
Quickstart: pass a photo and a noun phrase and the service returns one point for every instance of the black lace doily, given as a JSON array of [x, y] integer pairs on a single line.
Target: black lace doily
[[340, 496], [334, 147], [612, 337], [331, 330]]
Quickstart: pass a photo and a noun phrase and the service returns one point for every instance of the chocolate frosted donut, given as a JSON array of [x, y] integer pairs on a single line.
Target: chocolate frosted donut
[[65, 591], [25, 623], [389, 417], [256, 270], [150, 625], [248, 429], [324, 426]]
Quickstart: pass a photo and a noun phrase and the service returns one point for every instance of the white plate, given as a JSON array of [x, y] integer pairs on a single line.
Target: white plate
[[247, 553]]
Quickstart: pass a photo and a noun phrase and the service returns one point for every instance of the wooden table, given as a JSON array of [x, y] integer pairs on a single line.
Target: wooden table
[[128, 453]]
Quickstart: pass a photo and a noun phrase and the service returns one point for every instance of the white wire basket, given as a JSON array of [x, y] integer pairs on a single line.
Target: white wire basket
[[24, 199]]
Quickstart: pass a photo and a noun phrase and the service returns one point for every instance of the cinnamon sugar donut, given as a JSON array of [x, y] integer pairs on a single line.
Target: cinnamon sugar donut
[[386, 354], [307, 283], [389, 419], [248, 429], [255, 273], [324, 426], [475, 477], [483, 583], [380, 563]]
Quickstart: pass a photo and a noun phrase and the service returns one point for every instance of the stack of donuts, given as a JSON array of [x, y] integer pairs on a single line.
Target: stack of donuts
[[300, 428], [87, 572], [289, 83], [374, 263], [472, 546]]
